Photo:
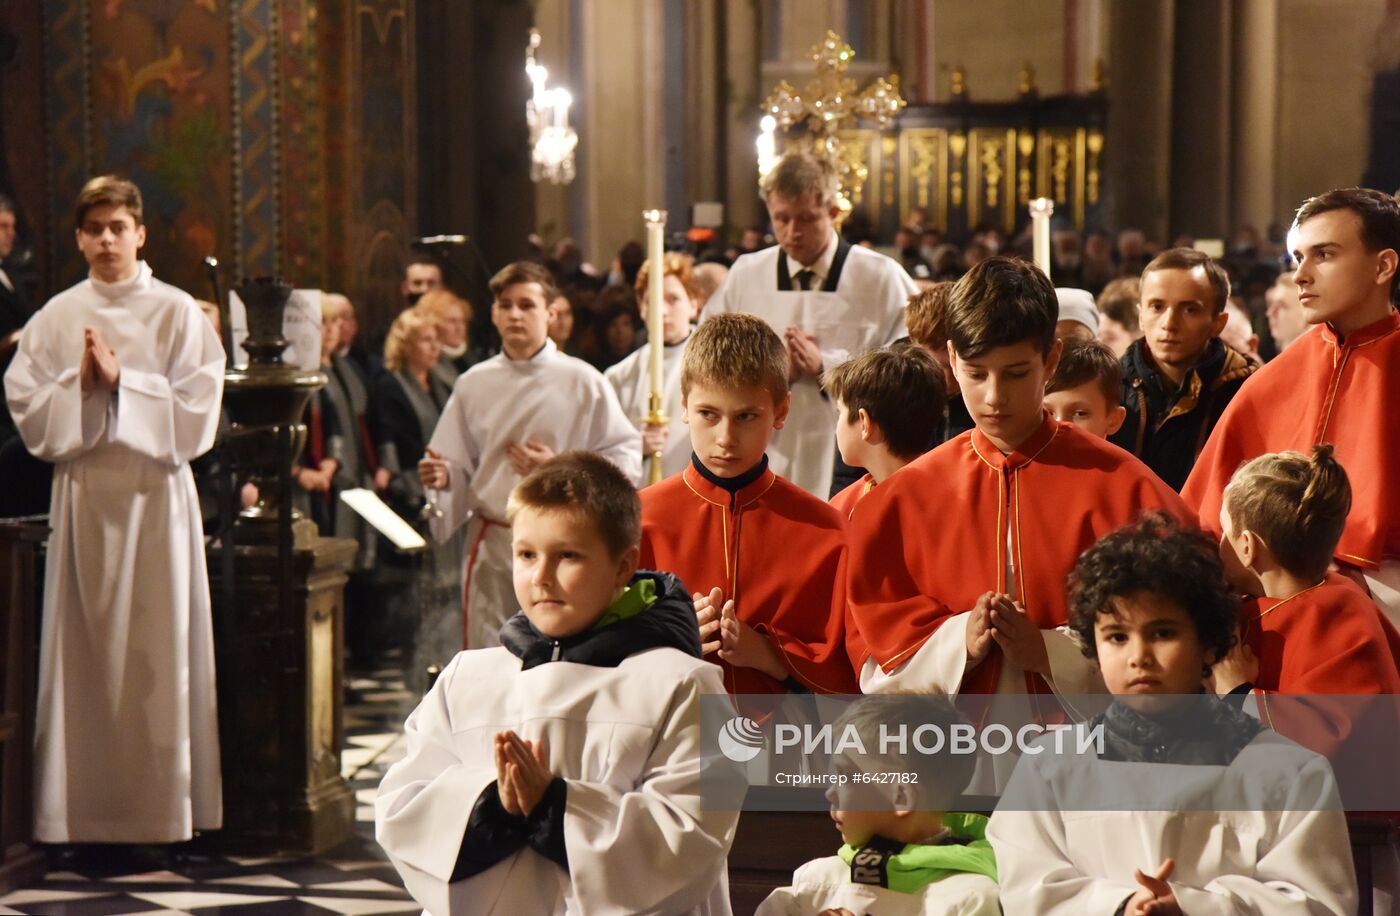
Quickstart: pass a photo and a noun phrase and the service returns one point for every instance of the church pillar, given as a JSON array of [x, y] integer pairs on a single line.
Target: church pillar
[[473, 151], [621, 138], [1200, 119], [1254, 163], [743, 52], [1139, 113], [703, 109]]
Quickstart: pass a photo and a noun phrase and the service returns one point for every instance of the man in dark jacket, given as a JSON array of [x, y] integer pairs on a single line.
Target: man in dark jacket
[[1178, 377]]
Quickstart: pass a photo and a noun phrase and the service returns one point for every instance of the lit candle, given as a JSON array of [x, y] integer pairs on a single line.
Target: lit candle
[[1042, 208], [562, 101], [767, 148], [656, 321]]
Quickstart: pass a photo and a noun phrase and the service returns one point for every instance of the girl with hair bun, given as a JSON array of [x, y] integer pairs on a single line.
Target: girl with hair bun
[[1310, 631]]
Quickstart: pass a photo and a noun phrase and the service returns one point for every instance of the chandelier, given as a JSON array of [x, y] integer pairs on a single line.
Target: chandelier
[[552, 140], [828, 105]]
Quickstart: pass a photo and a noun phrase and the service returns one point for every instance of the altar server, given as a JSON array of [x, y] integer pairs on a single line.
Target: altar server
[[1338, 383], [117, 381], [631, 378], [562, 771], [506, 417]]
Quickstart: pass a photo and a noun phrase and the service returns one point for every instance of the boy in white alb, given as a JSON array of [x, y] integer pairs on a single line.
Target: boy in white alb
[[117, 382], [631, 378], [561, 771], [1186, 805], [904, 854], [507, 415]]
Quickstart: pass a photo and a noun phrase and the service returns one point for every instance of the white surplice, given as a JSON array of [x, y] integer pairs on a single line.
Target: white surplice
[[865, 311], [551, 398], [823, 884], [639, 836], [1265, 834], [631, 379], [126, 733]]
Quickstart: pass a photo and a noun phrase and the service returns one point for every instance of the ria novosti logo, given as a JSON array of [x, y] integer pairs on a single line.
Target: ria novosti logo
[[741, 740]]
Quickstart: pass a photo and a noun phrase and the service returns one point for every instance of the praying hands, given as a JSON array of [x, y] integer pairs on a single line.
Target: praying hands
[[522, 772], [98, 368]]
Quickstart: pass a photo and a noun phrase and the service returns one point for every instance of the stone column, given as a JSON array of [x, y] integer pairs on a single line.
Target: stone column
[[1139, 113], [1200, 119], [1254, 163], [742, 57]]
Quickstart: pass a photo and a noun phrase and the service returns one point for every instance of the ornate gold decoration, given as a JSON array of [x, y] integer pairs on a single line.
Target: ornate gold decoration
[[1095, 145], [923, 161], [855, 146], [1025, 80], [990, 157], [830, 105], [1059, 169], [889, 144], [1025, 145], [957, 144], [957, 88]]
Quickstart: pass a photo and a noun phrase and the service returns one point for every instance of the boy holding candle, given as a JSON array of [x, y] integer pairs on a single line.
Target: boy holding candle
[[632, 380]]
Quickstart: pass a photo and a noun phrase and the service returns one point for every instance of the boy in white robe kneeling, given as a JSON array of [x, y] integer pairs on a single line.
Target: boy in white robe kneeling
[[903, 853], [1229, 817], [560, 772]]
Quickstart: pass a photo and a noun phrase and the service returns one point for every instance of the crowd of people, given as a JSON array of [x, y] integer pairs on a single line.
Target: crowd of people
[[1163, 483]]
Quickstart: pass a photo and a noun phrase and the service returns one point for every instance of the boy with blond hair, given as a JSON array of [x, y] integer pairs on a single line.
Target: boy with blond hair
[[890, 406], [719, 524], [1085, 386], [631, 378], [560, 771], [828, 299]]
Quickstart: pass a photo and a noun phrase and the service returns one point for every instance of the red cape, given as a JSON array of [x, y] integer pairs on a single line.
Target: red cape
[[1323, 649], [1319, 390], [778, 551], [931, 539], [845, 501]]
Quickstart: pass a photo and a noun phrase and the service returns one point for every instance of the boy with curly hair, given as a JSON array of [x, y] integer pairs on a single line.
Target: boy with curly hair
[[1229, 816]]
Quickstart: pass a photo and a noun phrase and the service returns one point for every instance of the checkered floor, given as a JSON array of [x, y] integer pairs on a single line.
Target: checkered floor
[[353, 880]]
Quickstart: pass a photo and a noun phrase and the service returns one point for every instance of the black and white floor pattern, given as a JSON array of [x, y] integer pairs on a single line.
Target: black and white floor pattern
[[352, 880]]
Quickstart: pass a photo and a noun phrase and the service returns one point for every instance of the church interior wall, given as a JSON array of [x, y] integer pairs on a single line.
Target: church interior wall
[[316, 139], [1326, 58]]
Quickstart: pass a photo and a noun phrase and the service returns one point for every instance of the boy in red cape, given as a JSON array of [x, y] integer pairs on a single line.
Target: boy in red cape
[[766, 558], [958, 562], [1338, 383], [1310, 633]]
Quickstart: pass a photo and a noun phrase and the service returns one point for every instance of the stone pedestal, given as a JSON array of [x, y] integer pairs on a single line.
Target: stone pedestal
[[21, 545], [280, 681]]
